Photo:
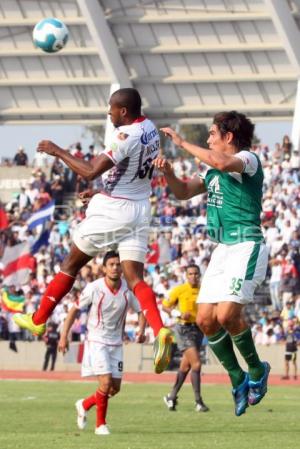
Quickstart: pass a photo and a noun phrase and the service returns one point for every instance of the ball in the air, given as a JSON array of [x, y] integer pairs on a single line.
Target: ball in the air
[[50, 35]]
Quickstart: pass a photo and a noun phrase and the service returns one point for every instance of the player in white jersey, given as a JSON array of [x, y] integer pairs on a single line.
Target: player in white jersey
[[118, 214], [109, 299]]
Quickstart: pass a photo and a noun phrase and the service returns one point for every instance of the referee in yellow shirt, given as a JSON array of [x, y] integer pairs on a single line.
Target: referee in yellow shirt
[[181, 305]]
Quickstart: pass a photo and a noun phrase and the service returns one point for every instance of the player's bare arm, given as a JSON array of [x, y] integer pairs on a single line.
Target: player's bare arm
[[70, 318], [183, 190], [141, 338], [88, 170], [216, 159]]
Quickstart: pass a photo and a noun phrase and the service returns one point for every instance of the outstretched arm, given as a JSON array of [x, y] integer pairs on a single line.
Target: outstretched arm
[[183, 190], [220, 161], [88, 170]]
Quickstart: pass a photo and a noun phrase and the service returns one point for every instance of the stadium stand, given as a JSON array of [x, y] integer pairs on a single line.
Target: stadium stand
[[178, 237]]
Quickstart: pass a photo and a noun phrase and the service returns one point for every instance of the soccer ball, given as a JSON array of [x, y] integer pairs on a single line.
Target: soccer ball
[[51, 35]]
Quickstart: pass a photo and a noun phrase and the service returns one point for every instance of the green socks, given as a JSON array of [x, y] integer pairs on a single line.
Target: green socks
[[221, 345], [245, 344]]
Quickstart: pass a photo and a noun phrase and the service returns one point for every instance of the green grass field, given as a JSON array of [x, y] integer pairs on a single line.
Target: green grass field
[[42, 415]]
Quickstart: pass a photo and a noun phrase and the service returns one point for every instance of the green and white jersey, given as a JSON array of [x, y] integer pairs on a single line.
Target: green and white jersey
[[234, 202]]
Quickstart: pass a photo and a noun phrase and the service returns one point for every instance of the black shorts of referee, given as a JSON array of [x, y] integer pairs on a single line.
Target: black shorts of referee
[[188, 335]]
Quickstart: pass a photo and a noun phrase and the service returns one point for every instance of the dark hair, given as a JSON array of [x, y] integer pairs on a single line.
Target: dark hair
[[193, 265], [238, 124], [128, 98], [110, 255]]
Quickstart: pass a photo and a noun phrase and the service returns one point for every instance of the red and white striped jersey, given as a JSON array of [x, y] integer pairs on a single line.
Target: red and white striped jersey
[[132, 149], [106, 319]]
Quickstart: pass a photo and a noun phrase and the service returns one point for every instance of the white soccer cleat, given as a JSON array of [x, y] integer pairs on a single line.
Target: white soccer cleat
[[170, 403], [102, 430], [201, 407], [81, 415]]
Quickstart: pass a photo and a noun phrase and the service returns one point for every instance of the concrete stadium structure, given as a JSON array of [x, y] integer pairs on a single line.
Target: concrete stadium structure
[[188, 58]]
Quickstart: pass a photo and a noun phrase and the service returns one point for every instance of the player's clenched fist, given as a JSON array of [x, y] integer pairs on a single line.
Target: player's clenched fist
[[46, 146], [140, 338], [86, 195], [163, 165]]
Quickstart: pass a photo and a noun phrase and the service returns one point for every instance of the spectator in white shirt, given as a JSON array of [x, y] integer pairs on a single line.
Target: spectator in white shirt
[[276, 270]]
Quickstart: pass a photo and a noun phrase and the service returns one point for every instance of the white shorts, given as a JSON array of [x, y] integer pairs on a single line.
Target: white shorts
[[99, 359], [234, 272], [115, 220]]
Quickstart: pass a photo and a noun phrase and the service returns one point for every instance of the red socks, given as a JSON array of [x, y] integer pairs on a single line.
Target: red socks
[[56, 290], [87, 403], [101, 403], [99, 399], [147, 300]]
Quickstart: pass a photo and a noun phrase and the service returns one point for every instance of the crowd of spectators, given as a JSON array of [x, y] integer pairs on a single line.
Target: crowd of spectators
[[178, 237]]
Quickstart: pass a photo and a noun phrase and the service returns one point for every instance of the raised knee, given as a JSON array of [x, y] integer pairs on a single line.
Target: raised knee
[[200, 321], [224, 320], [204, 323]]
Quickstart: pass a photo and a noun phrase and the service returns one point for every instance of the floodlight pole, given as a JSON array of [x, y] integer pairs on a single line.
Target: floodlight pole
[[107, 49], [295, 138], [289, 33]]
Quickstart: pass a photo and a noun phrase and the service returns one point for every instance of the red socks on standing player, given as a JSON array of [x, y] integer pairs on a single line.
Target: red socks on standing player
[[147, 300], [56, 290], [89, 402], [99, 399], [101, 403]]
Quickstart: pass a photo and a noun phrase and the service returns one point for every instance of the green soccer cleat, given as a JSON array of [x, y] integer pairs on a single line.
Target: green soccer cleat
[[24, 320], [162, 350]]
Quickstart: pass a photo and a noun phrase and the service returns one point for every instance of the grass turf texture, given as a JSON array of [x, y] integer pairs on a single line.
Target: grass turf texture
[[42, 414]]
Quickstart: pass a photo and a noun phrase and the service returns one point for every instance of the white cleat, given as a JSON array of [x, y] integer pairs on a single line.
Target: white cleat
[[102, 430], [201, 407], [81, 415], [170, 403]]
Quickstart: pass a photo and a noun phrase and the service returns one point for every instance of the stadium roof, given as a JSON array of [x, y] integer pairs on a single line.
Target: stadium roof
[[188, 58]]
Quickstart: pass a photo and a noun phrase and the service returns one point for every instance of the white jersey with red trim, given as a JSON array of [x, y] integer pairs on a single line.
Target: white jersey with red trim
[[106, 319], [132, 149]]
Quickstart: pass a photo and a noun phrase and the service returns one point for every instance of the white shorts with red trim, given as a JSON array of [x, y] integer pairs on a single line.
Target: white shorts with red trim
[[99, 359], [112, 221]]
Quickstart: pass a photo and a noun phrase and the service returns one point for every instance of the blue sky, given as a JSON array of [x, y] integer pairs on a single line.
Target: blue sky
[[11, 137]]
